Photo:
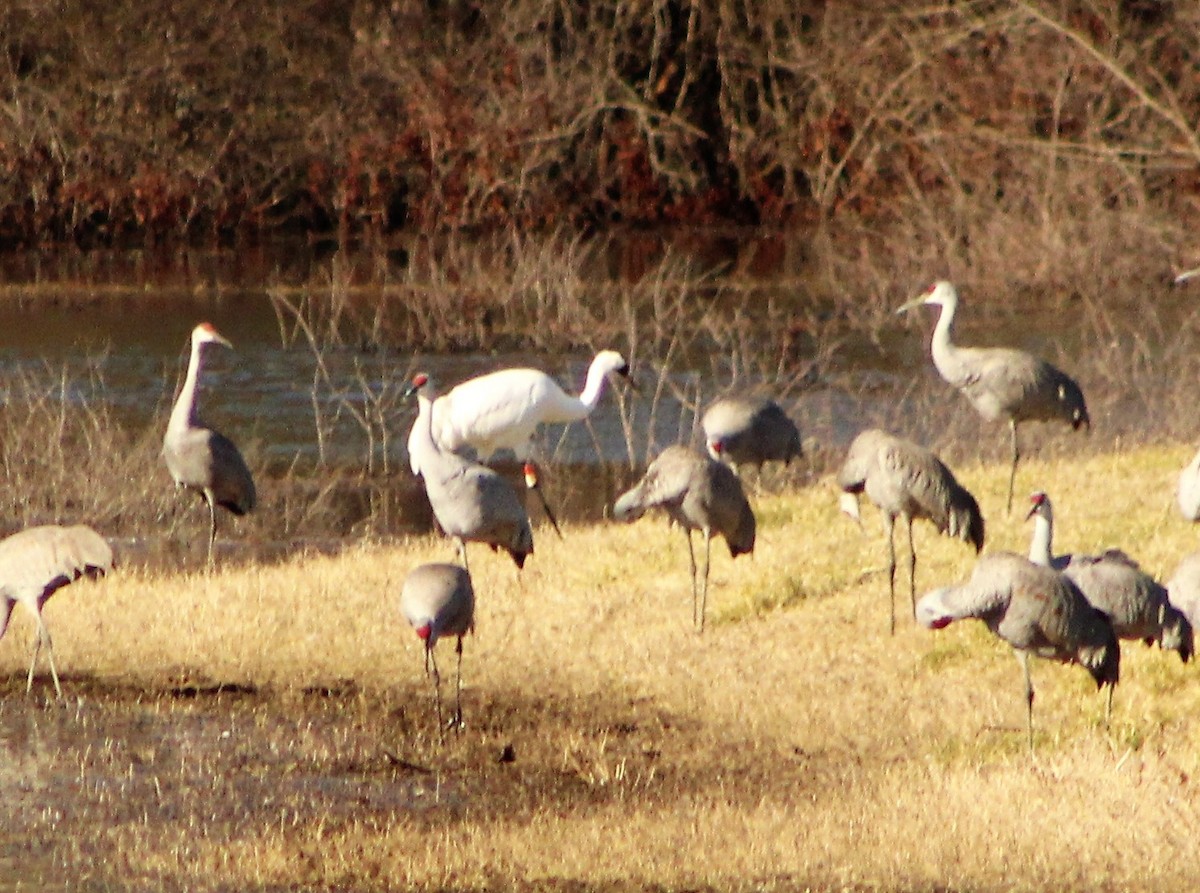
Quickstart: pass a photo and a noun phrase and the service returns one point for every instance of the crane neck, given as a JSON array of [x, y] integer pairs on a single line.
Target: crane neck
[[1042, 543], [183, 415], [941, 345], [593, 388]]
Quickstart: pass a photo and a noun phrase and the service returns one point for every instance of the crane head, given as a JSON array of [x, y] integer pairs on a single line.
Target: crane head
[[206, 333], [942, 293], [419, 381], [1039, 504]]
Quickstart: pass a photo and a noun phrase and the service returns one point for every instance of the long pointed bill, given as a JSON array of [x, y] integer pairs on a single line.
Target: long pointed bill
[[918, 301], [531, 482]]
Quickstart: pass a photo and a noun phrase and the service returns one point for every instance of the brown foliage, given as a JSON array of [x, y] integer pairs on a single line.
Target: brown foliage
[[202, 119]]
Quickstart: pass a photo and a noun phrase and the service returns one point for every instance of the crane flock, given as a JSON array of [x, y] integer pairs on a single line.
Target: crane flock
[[1070, 609]]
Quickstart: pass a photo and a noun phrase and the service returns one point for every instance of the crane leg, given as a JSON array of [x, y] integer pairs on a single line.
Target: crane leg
[[707, 563], [458, 720], [888, 530], [912, 568], [462, 553], [692, 562], [1108, 708], [43, 635], [1016, 457], [212, 527], [437, 686], [1024, 659]]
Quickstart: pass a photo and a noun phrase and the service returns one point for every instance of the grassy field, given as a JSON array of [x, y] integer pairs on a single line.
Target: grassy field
[[269, 726]]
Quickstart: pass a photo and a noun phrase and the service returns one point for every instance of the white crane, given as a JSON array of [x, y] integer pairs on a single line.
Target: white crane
[[750, 431], [200, 458], [1037, 611], [37, 562], [438, 600], [503, 409], [1000, 382], [905, 480], [698, 493], [471, 502], [1136, 603]]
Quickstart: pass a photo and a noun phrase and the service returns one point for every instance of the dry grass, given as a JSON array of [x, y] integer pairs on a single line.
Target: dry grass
[[269, 727]]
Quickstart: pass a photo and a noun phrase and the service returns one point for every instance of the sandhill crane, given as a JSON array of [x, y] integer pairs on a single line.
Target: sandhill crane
[[1183, 589], [905, 480], [1036, 610], [1137, 605], [200, 458], [1000, 382], [502, 410], [698, 493], [750, 431], [438, 600], [470, 501], [1187, 494], [37, 562]]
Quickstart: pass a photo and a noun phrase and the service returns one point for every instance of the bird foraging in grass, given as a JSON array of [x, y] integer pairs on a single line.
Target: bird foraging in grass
[[438, 600]]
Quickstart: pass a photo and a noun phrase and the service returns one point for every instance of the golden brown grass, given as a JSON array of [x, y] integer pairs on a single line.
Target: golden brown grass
[[795, 744]]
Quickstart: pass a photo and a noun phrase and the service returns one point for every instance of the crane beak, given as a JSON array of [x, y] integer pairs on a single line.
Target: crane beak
[[918, 301], [627, 374]]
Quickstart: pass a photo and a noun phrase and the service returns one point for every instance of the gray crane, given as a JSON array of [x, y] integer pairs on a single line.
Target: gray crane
[[1187, 493], [906, 480], [698, 493], [471, 502], [37, 562], [200, 458], [438, 600], [750, 431], [503, 409], [1183, 588], [1000, 382], [1136, 603], [1037, 611]]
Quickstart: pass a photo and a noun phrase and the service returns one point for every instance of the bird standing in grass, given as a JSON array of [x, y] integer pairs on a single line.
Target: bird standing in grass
[[905, 480], [471, 502], [1137, 605], [200, 458], [698, 493], [750, 431], [1037, 611], [503, 409], [438, 600], [1000, 382], [38, 561]]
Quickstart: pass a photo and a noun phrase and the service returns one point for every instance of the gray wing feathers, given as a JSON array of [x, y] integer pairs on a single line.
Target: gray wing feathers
[[39, 560], [202, 458]]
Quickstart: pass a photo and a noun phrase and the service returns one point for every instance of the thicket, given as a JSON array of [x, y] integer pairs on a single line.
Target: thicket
[[217, 119]]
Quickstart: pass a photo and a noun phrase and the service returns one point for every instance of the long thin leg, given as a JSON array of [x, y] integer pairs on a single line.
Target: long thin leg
[[692, 562], [888, 529], [462, 552], [437, 684], [458, 720], [43, 635], [707, 563], [1016, 456], [212, 526], [1108, 709], [912, 567], [1023, 657]]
